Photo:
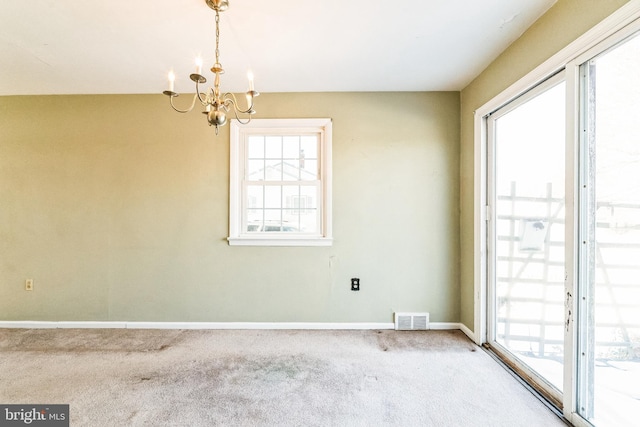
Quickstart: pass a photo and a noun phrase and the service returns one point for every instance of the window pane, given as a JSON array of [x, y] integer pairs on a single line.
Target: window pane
[[290, 170], [291, 147], [292, 204], [309, 209], [273, 147], [255, 197], [291, 195], [309, 220], [273, 170], [272, 220], [309, 146], [255, 170], [610, 338], [290, 222], [310, 170], [255, 220], [310, 195], [528, 257], [256, 147], [273, 196]]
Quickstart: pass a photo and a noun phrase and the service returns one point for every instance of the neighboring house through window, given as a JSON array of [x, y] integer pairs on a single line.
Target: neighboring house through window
[[280, 182]]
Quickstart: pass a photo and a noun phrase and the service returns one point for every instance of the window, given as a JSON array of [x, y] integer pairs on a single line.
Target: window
[[280, 183]]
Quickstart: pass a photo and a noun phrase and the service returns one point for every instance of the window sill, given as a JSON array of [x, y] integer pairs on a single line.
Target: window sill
[[279, 241]]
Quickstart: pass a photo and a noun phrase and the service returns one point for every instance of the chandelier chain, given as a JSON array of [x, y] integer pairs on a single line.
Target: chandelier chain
[[217, 37]]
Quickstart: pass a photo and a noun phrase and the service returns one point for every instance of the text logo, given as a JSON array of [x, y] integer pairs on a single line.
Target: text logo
[[34, 415]]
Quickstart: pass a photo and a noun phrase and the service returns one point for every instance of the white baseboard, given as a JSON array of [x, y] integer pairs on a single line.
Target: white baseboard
[[443, 326], [29, 324], [468, 332], [192, 325], [90, 325], [259, 325]]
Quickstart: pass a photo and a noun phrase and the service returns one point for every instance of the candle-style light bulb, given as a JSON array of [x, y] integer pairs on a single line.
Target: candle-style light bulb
[[199, 65], [250, 77], [172, 79]]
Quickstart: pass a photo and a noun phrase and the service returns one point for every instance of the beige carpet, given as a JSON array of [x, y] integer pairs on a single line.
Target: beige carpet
[[123, 377]]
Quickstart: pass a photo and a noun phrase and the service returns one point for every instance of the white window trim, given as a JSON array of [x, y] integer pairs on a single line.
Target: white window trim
[[619, 24], [237, 133]]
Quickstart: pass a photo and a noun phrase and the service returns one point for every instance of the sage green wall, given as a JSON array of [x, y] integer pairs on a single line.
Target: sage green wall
[[562, 24], [117, 207]]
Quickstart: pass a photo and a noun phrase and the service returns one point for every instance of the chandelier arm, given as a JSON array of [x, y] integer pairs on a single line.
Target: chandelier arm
[[193, 103], [239, 119], [232, 98], [199, 95], [236, 111]]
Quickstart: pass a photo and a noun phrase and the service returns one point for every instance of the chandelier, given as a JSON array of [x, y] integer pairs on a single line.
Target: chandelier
[[216, 105]]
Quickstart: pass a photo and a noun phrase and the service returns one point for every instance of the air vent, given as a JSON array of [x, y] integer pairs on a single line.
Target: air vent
[[412, 321]]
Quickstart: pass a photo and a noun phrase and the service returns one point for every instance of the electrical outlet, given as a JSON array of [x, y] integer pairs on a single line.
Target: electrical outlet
[[28, 285], [355, 284]]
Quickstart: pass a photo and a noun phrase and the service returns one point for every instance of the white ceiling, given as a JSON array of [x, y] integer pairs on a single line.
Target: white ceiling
[[129, 46]]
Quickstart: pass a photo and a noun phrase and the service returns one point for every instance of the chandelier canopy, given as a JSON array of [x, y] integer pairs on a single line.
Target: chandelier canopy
[[216, 105]]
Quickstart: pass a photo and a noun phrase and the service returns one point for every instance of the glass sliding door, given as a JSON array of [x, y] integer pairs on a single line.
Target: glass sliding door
[[609, 289], [526, 198], [562, 261]]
